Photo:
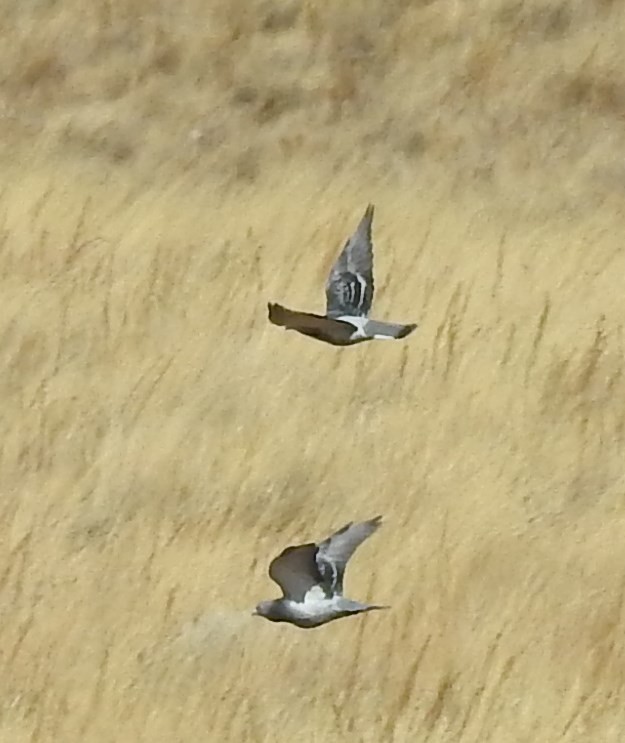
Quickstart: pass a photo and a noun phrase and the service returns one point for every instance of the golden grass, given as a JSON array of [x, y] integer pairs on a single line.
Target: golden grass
[[165, 173]]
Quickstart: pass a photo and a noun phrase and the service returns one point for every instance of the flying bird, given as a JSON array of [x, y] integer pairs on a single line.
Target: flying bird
[[311, 579], [349, 294]]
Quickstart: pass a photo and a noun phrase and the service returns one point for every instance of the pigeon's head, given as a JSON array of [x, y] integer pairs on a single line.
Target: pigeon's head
[[272, 610]]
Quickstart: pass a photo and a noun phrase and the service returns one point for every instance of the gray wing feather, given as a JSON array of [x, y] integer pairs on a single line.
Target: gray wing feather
[[349, 289], [295, 570], [334, 552]]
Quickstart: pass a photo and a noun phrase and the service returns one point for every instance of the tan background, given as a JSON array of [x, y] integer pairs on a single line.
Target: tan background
[[167, 168]]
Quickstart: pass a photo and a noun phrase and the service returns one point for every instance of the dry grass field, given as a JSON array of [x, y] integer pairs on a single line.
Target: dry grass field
[[167, 168]]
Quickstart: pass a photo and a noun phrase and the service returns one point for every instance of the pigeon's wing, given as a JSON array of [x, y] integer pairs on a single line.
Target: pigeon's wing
[[295, 571], [316, 326], [334, 552], [349, 289]]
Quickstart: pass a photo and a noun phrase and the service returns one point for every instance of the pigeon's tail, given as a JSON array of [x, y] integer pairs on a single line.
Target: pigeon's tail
[[356, 607], [387, 330]]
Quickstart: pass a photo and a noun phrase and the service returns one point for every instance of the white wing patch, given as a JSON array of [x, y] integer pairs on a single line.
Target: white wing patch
[[316, 607], [315, 595], [315, 604], [362, 294], [358, 323]]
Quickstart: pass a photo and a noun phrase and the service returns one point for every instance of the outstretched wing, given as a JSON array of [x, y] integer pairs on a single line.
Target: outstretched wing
[[349, 289], [321, 327], [334, 552], [295, 571]]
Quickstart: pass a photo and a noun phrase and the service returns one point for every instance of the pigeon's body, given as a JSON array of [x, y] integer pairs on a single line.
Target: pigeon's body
[[311, 579], [349, 294], [313, 613]]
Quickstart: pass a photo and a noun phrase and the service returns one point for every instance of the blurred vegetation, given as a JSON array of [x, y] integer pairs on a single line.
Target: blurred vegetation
[[170, 167]]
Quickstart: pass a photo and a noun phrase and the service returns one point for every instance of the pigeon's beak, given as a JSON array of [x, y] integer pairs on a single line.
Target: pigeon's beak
[[255, 613]]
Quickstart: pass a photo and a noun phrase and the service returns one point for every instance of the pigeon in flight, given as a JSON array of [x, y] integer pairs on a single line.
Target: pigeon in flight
[[311, 579], [349, 294]]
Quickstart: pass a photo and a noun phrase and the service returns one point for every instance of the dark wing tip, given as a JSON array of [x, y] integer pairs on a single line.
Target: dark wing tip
[[343, 529], [275, 313], [367, 219], [407, 329], [374, 522]]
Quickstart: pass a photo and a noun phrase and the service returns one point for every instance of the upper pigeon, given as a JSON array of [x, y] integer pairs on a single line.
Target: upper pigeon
[[349, 294]]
